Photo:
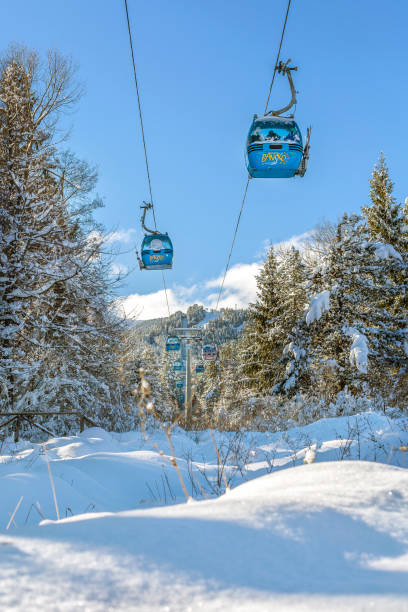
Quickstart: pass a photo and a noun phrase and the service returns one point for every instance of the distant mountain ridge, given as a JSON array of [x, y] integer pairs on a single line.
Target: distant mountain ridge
[[218, 326]]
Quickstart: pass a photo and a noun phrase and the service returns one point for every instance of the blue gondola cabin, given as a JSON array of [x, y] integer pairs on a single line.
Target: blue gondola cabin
[[172, 343], [274, 148], [209, 352], [157, 252]]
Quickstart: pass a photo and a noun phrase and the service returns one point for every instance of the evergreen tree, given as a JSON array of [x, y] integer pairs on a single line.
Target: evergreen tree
[[353, 340], [292, 372], [387, 229], [384, 221], [261, 349], [170, 403]]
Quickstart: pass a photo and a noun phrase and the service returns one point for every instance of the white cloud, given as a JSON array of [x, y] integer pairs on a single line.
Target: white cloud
[[299, 242], [118, 269], [153, 305], [239, 286], [238, 291], [119, 236]]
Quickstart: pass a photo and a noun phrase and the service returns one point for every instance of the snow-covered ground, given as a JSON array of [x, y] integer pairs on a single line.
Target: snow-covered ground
[[332, 534]]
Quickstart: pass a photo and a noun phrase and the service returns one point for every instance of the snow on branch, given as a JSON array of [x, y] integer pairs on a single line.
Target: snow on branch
[[385, 251], [319, 303], [358, 349]]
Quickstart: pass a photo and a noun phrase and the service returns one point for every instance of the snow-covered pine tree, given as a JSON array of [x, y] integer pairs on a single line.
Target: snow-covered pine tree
[[292, 373], [58, 336], [261, 346], [354, 342], [209, 387], [169, 400], [404, 228], [383, 216], [387, 229]]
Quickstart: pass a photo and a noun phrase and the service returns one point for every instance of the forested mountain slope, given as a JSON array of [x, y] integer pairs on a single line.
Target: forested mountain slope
[[217, 327]]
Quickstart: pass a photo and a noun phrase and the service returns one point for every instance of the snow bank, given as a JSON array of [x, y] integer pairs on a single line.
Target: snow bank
[[329, 535], [325, 536], [99, 471]]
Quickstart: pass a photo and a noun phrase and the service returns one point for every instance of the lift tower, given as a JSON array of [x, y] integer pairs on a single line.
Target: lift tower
[[188, 335]]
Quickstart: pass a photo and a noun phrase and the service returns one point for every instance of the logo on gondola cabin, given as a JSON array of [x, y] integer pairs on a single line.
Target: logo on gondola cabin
[[156, 257], [280, 158]]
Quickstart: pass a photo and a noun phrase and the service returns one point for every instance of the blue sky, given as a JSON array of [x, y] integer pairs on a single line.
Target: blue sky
[[204, 70]]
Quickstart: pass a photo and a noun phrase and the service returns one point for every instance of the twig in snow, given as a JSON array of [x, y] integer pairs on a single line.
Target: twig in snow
[[40, 510], [227, 487]]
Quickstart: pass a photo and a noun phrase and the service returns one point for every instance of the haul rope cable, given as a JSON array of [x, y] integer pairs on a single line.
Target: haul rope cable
[[246, 187], [144, 139], [233, 241], [277, 57]]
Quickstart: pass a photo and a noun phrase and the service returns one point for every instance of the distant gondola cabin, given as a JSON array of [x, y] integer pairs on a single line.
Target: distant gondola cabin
[[173, 343], [209, 352]]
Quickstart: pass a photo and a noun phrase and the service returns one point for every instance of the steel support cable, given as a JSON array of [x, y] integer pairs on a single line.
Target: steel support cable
[[246, 187], [165, 292], [143, 137], [233, 241], [278, 56]]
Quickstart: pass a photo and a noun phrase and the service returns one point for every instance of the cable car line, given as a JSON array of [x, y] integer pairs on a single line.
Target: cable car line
[[281, 68], [277, 57], [275, 147], [165, 293], [140, 111], [233, 241], [143, 138]]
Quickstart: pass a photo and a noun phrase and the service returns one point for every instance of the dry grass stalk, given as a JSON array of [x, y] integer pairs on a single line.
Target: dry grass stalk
[[146, 406], [14, 513], [51, 481], [197, 482], [227, 487], [13, 520]]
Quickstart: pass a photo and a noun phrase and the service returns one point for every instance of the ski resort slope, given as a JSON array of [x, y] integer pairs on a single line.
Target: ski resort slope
[[326, 536]]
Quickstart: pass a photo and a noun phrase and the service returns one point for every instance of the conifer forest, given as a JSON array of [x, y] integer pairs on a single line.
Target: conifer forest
[[327, 331]]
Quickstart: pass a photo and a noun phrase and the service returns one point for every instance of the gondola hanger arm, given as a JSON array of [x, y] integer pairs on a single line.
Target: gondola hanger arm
[[285, 69], [145, 207]]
